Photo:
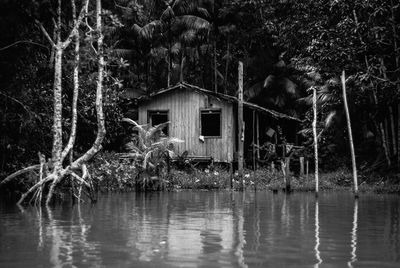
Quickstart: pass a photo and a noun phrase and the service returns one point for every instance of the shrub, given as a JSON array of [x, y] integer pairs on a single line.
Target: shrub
[[110, 173]]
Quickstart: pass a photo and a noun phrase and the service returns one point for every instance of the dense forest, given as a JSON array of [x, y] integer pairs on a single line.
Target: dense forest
[[288, 48]]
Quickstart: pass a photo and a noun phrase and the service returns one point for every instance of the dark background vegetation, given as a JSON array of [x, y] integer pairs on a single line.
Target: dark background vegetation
[[287, 47]]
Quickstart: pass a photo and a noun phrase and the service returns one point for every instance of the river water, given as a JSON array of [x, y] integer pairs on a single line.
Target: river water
[[205, 229]]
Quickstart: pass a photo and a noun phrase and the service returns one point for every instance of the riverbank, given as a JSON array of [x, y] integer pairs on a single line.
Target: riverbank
[[113, 174]]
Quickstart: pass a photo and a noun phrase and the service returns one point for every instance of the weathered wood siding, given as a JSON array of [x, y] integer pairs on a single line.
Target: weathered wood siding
[[184, 113]]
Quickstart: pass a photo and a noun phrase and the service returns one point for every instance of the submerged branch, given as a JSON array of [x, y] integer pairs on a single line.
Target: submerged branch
[[19, 172]]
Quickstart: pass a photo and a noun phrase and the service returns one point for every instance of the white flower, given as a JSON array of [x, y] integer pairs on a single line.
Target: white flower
[[197, 180], [247, 175], [244, 181], [236, 173], [216, 173], [206, 170], [251, 182]]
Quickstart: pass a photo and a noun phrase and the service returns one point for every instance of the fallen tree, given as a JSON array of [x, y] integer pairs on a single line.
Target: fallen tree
[[52, 171]]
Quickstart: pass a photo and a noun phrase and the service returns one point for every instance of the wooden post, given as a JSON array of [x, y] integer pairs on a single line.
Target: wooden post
[[231, 175], [392, 128], [240, 124], [301, 173], [314, 126], [307, 170], [287, 167], [398, 135], [254, 141], [387, 137], [258, 135], [353, 156]]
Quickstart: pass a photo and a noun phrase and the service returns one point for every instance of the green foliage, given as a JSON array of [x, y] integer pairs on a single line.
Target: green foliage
[[110, 173]]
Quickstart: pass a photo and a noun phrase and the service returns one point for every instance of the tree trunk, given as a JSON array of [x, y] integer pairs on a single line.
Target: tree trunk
[[314, 127], [384, 144], [227, 67], [74, 105], [353, 155], [57, 97], [393, 131], [387, 136], [169, 59], [57, 109], [101, 129], [215, 66]]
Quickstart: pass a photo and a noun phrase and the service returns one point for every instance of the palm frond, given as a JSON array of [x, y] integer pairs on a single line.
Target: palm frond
[[330, 118], [269, 81], [148, 31], [176, 48], [168, 14], [121, 52], [159, 52], [188, 36], [182, 7], [289, 87], [194, 22], [155, 132], [253, 91], [203, 12]]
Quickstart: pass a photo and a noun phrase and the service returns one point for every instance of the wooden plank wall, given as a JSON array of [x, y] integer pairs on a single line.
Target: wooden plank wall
[[184, 113]]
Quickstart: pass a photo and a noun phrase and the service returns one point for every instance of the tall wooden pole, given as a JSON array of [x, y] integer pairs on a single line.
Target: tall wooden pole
[[314, 127], [353, 156], [240, 124], [254, 140], [258, 135]]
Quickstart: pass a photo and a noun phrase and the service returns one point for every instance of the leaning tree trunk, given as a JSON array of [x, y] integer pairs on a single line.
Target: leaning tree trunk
[[101, 128], [353, 155], [227, 66], [314, 127]]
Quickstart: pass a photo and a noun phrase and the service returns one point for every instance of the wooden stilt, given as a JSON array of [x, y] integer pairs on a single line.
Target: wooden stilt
[[301, 172], [287, 167], [258, 135], [240, 125]]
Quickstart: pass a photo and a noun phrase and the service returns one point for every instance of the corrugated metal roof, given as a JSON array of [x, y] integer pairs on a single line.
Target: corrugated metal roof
[[220, 96]]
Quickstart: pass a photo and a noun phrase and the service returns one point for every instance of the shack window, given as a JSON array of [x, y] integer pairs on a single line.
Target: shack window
[[158, 117], [210, 123]]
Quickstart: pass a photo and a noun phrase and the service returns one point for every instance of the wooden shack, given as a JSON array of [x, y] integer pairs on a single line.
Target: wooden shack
[[206, 121]]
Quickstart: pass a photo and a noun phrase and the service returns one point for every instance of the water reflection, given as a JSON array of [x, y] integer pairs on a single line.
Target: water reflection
[[317, 240], [354, 235], [205, 229]]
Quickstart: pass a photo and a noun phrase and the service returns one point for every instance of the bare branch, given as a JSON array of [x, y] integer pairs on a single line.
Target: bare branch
[[23, 42], [19, 102], [19, 172], [77, 23], [46, 34]]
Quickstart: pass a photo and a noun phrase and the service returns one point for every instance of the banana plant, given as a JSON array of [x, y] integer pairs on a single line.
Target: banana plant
[[151, 151]]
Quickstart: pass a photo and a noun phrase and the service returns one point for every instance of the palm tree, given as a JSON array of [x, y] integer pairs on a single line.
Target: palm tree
[[178, 25]]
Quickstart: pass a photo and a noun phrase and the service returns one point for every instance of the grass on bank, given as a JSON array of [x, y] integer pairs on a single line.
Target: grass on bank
[[114, 174]]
